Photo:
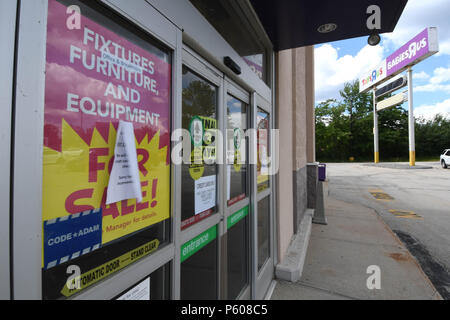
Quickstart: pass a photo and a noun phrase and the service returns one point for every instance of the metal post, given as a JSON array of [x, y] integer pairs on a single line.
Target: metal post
[[412, 147], [375, 129]]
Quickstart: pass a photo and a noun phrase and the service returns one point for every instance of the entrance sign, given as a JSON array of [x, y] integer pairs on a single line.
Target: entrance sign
[[420, 47], [96, 78], [237, 216], [200, 241]]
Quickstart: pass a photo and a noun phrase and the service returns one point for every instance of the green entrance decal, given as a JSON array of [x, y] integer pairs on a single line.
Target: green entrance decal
[[194, 245], [236, 217]]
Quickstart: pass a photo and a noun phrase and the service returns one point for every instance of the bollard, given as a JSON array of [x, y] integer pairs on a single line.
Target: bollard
[[319, 212], [315, 194]]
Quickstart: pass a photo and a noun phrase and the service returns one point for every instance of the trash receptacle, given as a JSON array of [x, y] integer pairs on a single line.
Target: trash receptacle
[[322, 171]]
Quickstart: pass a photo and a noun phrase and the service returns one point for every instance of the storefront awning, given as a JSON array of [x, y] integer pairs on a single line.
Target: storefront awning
[[295, 23]]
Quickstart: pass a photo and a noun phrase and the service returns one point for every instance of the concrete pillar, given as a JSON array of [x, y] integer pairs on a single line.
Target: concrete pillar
[[295, 120], [295, 105], [300, 135], [310, 106]]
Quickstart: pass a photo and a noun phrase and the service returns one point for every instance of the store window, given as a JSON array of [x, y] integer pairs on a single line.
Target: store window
[[238, 252], [228, 18], [262, 168], [199, 267], [199, 178], [237, 150], [105, 72], [263, 231]]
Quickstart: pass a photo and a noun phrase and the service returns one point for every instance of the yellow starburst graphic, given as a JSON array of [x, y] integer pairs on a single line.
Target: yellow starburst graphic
[[76, 180]]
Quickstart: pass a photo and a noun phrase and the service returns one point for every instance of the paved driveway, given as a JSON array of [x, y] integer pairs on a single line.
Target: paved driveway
[[415, 204]]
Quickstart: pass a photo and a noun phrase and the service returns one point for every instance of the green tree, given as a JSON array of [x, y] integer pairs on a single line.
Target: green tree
[[358, 107], [344, 128], [432, 136], [393, 133], [331, 130]]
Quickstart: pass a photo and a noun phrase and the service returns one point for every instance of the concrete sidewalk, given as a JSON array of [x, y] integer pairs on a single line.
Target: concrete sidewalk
[[340, 253]]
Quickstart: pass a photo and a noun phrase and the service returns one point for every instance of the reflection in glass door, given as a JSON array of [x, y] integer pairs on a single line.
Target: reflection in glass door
[[262, 222], [199, 100], [237, 180], [199, 269], [236, 150]]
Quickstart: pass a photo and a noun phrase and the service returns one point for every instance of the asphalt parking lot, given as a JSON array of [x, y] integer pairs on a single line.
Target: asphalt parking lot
[[415, 204]]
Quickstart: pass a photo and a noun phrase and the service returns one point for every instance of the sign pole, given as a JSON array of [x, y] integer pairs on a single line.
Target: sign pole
[[412, 148], [375, 128]]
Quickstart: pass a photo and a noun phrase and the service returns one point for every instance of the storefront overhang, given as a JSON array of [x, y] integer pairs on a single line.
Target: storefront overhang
[[296, 23]]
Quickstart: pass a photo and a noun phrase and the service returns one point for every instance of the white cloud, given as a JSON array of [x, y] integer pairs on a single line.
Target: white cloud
[[429, 111], [418, 15], [438, 82], [431, 87], [332, 71], [440, 75], [420, 75]]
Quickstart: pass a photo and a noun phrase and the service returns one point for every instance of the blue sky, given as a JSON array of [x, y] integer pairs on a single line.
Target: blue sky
[[342, 61]]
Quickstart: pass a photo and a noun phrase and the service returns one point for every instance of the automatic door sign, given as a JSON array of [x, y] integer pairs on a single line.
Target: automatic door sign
[[94, 275]]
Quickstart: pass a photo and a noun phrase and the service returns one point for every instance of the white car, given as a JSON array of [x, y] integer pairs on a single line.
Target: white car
[[445, 158]]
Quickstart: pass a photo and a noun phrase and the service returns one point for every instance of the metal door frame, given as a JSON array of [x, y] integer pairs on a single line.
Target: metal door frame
[[236, 91], [205, 70], [8, 15], [261, 280]]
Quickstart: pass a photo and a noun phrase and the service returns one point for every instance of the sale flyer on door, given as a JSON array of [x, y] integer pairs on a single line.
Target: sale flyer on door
[[94, 78]]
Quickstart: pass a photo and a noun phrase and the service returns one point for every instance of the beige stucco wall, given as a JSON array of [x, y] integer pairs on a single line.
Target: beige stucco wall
[[295, 120]]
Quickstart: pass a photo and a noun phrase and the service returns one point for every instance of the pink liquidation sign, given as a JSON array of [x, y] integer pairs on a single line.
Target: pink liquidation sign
[[95, 77]]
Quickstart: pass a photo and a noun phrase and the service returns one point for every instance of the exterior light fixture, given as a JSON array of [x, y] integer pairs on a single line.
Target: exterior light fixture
[[327, 27], [374, 39]]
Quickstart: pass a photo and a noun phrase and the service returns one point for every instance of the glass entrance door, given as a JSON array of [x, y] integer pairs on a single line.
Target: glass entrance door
[[226, 216], [201, 188], [262, 222], [236, 239]]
